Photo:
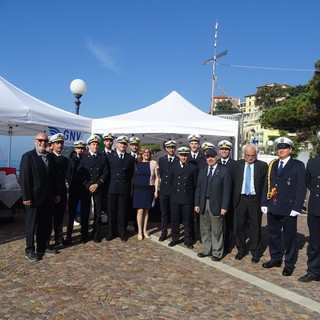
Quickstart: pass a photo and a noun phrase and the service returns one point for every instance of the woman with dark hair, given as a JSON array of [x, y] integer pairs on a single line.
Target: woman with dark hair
[[145, 189]]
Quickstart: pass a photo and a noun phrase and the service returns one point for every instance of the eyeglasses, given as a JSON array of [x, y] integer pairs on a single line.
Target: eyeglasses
[[250, 155], [43, 140]]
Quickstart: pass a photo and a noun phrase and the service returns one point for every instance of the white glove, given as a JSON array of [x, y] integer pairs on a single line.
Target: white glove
[[264, 210], [294, 213]]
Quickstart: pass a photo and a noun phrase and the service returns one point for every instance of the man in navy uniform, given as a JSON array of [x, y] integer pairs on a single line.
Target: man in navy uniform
[[283, 197], [122, 166], [39, 192], [313, 252], [165, 164], [74, 186], [212, 199], [93, 173], [57, 142], [183, 179], [249, 177], [108, 139], [134, 143], [225, 148]]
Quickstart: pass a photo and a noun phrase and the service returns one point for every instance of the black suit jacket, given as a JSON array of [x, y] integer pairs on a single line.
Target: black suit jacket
[[199, 161], [61, 171], [38, 182], [260, 171], [313, 184], [121, 173], [291, 188], [183, 182], [93, 171], [219, 190], [164, 172]]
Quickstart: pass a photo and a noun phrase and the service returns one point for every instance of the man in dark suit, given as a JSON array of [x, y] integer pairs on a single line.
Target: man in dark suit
[[249, 176], [39, 192], [313, 252], [225, 160], [211, 202], [93, 173], [283, 197], [165, 164], [74, 183], [122, 166], [61, 161], [183, 180]]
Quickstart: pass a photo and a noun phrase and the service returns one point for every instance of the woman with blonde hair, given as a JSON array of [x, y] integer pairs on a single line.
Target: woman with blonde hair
[[145, 189]]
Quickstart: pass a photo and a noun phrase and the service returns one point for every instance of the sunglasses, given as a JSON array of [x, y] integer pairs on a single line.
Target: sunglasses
[[43, 140]]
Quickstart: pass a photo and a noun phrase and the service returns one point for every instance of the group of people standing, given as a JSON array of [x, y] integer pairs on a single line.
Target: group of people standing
[[218, 200]]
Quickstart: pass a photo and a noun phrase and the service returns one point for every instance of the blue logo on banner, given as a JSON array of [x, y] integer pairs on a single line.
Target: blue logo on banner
[[70, 135]]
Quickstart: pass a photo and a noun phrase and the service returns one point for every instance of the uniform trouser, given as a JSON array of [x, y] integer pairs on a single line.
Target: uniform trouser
[[289, 225], [248, 217], [74, 198], [85, 212], [196, 231], [38, 222], [165, 212], [229, 232], [184, 213], [117, 214], [314, 245], [212, 233], [58, 214]]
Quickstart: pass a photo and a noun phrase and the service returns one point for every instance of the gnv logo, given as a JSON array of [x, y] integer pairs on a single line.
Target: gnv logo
[[70, 135]]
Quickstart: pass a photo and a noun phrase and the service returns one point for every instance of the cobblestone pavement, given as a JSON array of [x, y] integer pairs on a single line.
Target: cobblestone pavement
[[142, 280]]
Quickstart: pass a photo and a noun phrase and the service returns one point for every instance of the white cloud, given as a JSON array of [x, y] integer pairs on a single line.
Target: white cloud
[[105, 54]]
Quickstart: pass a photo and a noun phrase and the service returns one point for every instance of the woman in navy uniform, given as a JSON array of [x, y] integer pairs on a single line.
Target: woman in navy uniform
[[282, 199], [183, 179]]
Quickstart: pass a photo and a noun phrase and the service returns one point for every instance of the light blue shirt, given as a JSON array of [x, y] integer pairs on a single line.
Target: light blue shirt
[[252, 190]]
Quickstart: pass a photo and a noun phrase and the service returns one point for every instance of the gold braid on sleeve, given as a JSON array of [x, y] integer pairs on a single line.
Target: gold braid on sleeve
[[272, 191]]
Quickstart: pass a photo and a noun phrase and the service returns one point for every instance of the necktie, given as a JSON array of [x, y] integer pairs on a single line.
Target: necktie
[[210, 171], [182, 165], [170, 160], [121, 156], [248, 180], [194, 156], [280, 168], [208, 181], [224, 162], [94, 156]]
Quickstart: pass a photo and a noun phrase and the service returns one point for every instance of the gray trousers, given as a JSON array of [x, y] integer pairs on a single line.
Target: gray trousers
[[212, 233]]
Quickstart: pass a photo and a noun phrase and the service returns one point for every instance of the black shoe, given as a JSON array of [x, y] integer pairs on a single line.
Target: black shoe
[[255, 259], [287, 271], [124, 239], [67, 242], [173, 243], [58, 243], [189, 245], [97, 238], [309, 278], [50, 250], [201, 255], [109, 238], [215, 259], [240, 255], [32, 256], [162, 237], [83, 240], [272, 264]]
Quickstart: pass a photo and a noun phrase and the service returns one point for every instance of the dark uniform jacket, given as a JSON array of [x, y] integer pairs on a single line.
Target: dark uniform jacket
[[72, 175], [260, 172], [164, 172], [93, 171], [230, 165], [183, 182], [200, 161], [38, 182], [219, 190], [121, 173], [291, 188], [313, 184], [61, 171]]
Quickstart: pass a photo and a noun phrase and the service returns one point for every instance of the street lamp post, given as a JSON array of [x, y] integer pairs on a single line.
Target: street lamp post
[[78, 87], [270, 145]]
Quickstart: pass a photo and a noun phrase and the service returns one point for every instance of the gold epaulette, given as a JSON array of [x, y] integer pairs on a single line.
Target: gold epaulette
[[272, 191]]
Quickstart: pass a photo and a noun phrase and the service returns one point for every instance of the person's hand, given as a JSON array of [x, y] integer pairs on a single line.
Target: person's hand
[[93, 188], [27, 202], [294, 213], [155, 194], [264, 210], [223, 212], [197, 209]]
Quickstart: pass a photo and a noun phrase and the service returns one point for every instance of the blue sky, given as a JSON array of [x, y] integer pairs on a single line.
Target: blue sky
[[131, 53]]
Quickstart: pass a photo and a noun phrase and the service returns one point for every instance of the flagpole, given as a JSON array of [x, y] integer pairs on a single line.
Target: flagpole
[[214, 65]]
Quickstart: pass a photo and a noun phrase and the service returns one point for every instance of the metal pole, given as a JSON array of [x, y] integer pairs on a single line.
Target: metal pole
[[10, 145], [214, 65]]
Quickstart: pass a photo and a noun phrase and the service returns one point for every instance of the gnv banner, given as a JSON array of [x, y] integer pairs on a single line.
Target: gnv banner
[[70, 135]]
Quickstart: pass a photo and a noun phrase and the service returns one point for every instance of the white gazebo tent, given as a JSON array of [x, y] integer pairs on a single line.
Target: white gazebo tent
[[172, 117]]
